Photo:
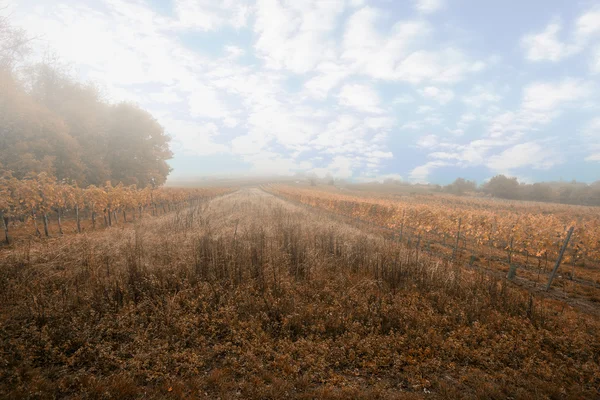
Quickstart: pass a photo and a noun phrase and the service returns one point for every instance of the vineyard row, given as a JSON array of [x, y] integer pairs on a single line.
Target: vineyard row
[[26, 201], [520, 231]]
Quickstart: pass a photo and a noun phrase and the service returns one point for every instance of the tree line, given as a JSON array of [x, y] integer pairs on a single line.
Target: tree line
[[501, 186], [54, 124]]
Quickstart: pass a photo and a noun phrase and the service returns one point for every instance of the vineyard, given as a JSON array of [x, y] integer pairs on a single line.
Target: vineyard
[[36, 201], [527, 234], [247, 295]]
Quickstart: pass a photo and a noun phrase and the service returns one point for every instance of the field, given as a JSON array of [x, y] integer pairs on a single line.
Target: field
[[301, 293], [489, 234]]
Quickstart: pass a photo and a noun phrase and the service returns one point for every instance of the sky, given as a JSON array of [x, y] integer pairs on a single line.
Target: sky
[[418, 90]]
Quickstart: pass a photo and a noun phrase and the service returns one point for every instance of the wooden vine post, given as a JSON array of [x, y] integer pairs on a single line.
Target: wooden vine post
[[5, 227], [457, 239], [512, 269], [560, 257], [402, 225]]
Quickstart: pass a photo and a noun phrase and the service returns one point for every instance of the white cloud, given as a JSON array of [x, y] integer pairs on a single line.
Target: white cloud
[[329, 77], [442, 96], [424, 109], [194, 138], [295, 36], [402, 54], [257, 102], [541, 103], [428, 6], [360, 97], [546, 46], [234, 51], [588, 24], [481, 96], [209, 15], [206, 102], [543, 96], [428, 141], [448, 65], [357, 3], [339, 167], [271, 163], [421, 173], [591, 139], [529, 154], [374, 54]]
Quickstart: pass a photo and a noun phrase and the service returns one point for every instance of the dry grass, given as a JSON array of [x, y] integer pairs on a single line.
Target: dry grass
[[250, 297]]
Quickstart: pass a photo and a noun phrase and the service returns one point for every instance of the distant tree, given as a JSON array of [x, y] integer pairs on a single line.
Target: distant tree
[[538, 192], [34, 140], [57, 126], [461, 186], [82, 109], [503, 187], [392, 181], [330, 180], [137, 147]]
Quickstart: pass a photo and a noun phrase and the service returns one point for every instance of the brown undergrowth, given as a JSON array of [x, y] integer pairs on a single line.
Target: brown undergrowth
[[248, 296]]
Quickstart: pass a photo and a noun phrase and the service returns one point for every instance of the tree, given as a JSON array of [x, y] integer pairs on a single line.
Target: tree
[[51, 123], [503, 187], [461, 186], [14, 44], [34, 140], [138, 148], [8, 201], [57, 126], [81, 108], [538, 192]]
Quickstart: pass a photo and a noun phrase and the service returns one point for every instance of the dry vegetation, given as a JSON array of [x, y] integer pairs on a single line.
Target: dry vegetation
[[248, 296], [489, 234]]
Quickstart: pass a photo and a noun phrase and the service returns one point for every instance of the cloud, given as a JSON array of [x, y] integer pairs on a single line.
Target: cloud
[[339, 167], [360, 97], [591, 139], [428, 141], [403, 53], [588, 24], [546, 46], [204, 101], [529, 154], [330, 75], [481, 96], [541, 103], [209, 15], [424, 109], [234, 51], [296, 36], [442, 96], [275, 83], [421, 173], [428, 6], [449, 65], [544, 96], [196, 139]]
